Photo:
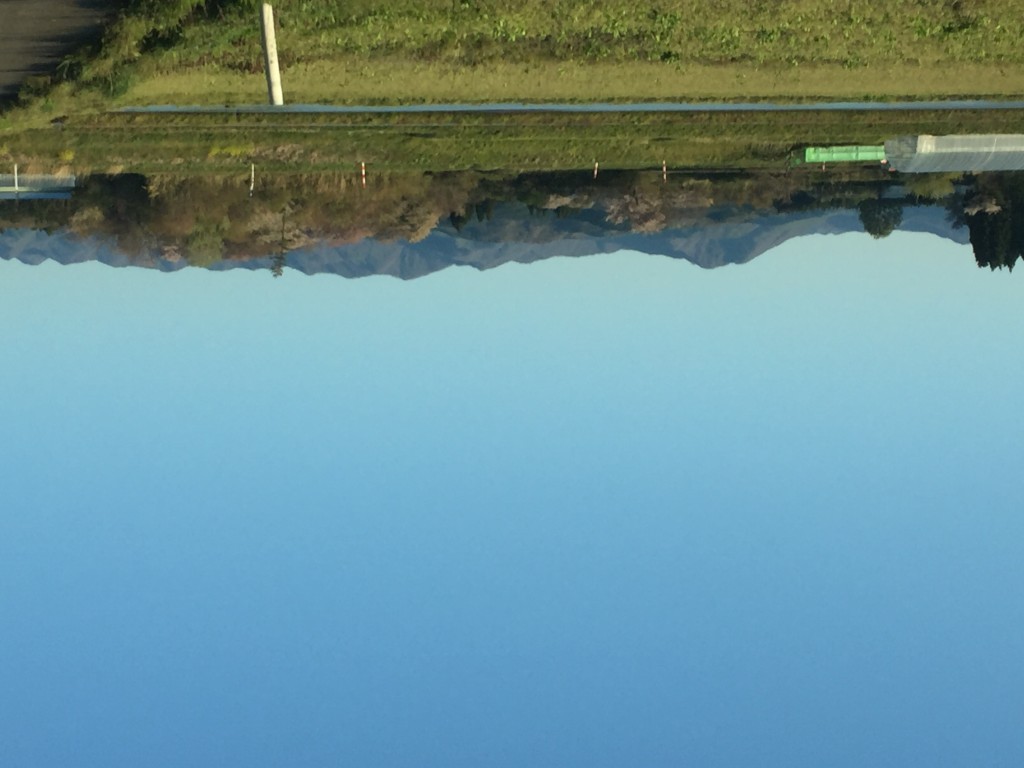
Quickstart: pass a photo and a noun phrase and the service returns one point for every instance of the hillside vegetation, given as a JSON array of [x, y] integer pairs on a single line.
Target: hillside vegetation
[[442, 51], [207, 51]]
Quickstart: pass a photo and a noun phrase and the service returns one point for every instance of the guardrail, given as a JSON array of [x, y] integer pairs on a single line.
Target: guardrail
[[15, 185]]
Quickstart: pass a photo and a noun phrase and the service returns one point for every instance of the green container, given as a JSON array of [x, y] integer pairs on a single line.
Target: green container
[[859, 154]]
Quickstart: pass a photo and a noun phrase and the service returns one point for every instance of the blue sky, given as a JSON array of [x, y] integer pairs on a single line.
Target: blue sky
[[602, 511]]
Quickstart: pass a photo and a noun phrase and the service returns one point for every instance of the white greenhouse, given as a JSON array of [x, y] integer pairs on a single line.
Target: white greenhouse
[[937, 154]]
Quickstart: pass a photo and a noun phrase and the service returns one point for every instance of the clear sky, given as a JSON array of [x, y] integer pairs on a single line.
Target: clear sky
[[613, 511]]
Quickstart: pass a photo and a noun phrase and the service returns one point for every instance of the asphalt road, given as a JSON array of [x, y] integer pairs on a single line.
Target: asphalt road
[[36, 34]]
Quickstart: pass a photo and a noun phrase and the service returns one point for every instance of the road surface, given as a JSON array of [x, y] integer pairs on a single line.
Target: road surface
[[36, 34]]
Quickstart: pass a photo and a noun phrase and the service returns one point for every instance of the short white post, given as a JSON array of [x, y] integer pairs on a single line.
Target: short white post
[[595, 169], [362, 173], [252, 179], [664, 171], [15, 178], [270, 56]]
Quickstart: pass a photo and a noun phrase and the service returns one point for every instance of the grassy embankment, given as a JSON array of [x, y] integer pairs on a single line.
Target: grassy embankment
[[359, 51], [188, 144], [363, 51]]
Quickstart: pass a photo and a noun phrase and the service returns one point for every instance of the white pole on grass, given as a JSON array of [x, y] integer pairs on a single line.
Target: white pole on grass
[[270, 56]]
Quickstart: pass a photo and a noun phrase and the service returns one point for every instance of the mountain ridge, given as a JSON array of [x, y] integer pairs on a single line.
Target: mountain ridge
[[724, 237]]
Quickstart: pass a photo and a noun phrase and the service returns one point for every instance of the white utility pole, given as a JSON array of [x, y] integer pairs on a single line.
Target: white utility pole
[[270, 56]]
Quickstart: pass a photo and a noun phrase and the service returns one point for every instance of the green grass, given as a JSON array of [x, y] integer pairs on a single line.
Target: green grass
[[435, 51], [346, 51], [851, 34], [209, 144]]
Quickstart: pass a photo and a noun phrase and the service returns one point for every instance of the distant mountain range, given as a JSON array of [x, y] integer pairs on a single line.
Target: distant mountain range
[[513, 233]]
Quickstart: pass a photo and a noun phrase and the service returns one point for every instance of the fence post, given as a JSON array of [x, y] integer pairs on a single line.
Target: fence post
[[270, 56]]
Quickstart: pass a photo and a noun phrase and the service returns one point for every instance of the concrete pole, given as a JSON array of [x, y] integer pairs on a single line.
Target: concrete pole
[[270, 56], [15, 178]]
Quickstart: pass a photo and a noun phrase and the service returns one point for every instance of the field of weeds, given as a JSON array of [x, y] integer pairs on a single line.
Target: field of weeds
[[347, 51], [188, 144], [446, 51]]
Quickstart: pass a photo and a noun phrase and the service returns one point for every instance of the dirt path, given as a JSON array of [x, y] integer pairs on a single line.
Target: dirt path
[[36, 34]]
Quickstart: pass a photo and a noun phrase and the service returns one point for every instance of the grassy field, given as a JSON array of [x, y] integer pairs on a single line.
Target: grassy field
[[347, 51], [435, 51], [215, 143]]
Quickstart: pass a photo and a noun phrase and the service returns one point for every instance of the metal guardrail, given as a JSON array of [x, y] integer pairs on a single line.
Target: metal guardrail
[[35, 186], [34, 181]]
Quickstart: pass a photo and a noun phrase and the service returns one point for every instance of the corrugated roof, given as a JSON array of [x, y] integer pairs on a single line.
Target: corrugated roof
[[972, 152]]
